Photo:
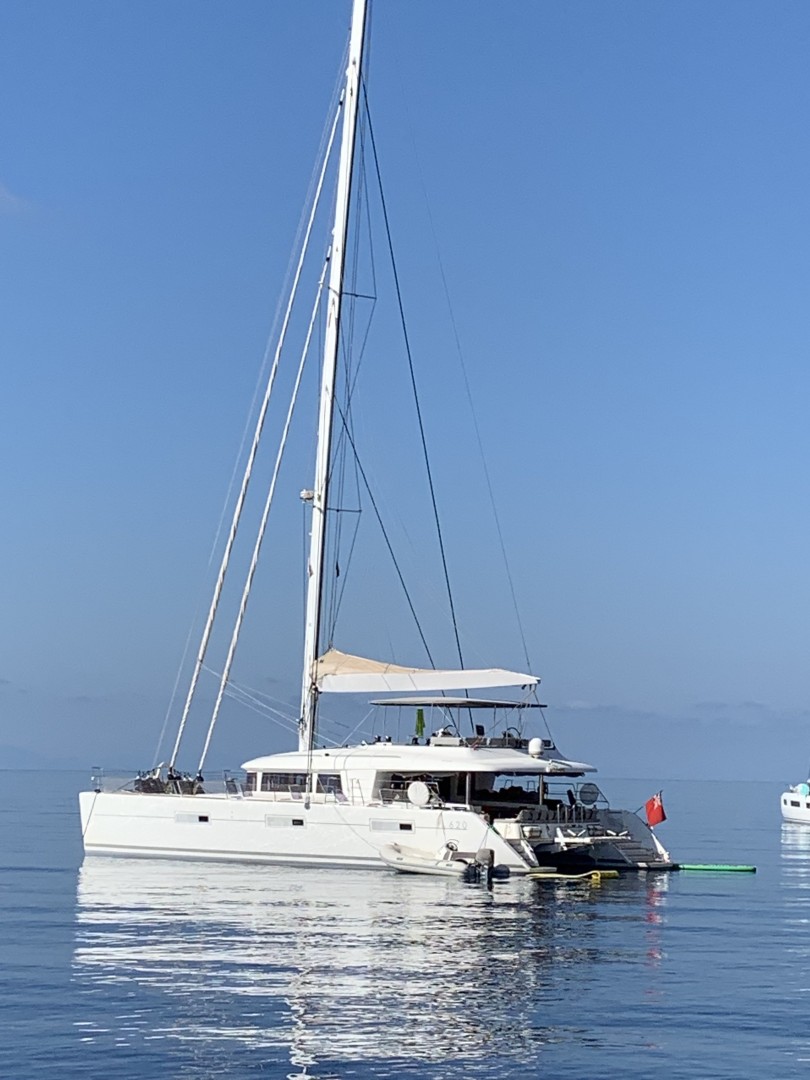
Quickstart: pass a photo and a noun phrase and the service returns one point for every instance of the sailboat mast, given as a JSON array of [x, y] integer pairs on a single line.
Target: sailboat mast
[[318, 498]]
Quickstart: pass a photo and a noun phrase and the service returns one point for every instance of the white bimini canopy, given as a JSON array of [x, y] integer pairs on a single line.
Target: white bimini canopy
[[340, 673]]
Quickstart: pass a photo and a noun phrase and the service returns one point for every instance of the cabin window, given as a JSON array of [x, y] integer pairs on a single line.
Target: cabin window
[[795, 802], [330, 784], [202, 817], [506, 788], [250, 782], [295, 782], [298, 821], [405, 826]]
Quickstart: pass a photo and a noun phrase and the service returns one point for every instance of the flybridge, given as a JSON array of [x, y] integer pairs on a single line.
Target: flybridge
[[539, 747]]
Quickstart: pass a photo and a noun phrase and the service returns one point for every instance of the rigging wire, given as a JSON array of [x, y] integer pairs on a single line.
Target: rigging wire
[[359, 726], [479, 440], [263, 523], [462, 364], [186, 647], [260, 420], [254, 701], [386, 538], [413, 381], [243, 697], [312, 194]]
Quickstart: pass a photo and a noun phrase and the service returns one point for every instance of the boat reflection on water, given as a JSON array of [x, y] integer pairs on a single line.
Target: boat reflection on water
[[316, 969], [796, 860], [795, 890]]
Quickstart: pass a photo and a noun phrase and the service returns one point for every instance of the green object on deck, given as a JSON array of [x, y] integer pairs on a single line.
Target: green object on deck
[[725, 867], [420, 723]]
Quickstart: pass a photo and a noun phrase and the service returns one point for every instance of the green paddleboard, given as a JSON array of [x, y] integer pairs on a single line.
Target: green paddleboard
[[725, 867]]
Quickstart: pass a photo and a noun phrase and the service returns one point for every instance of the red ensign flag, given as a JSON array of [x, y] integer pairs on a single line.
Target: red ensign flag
[[655, 810]]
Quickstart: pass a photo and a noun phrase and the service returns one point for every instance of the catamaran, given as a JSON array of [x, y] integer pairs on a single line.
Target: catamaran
[[429, 804]]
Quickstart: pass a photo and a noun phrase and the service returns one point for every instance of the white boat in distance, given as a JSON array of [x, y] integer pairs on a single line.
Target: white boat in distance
[[795, 803], [448, 796]]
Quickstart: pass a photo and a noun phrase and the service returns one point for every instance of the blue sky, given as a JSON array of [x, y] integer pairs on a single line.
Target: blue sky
[[618, 196]]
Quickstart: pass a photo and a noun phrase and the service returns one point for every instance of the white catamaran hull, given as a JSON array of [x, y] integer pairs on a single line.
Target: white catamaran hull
[[218, 827]]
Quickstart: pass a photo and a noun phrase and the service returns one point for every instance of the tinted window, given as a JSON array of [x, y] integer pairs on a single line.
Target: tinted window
[[284, 781], [330, 784]]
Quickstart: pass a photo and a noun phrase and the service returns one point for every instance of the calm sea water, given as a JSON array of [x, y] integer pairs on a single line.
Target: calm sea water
[[123, 969]]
